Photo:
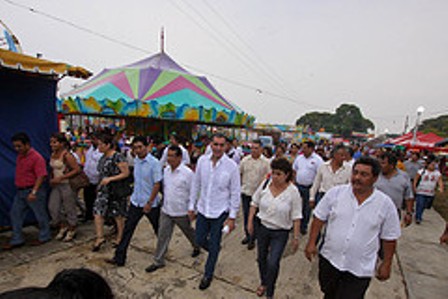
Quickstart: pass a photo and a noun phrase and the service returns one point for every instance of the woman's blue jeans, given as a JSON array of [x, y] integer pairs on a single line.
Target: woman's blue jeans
[[421, 204], [271, 244]]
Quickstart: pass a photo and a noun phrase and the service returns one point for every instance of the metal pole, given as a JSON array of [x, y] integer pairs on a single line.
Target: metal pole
[[417, 121]]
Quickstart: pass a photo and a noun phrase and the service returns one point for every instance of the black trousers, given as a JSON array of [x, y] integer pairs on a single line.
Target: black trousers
[[336, 284], [89, 199], [134, 216]]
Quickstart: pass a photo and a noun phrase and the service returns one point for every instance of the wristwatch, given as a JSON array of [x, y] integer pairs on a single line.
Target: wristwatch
[[33, 192]]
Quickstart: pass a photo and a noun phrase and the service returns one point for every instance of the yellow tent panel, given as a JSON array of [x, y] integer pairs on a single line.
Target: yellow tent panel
[[31, 64]]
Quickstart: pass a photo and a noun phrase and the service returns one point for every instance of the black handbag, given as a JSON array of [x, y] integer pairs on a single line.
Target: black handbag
[[121, 188]]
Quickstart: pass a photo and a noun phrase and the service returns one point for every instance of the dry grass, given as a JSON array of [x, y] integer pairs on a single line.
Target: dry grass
[[441, 202]]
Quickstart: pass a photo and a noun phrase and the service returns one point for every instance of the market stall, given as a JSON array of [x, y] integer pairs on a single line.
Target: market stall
[[27, 104]]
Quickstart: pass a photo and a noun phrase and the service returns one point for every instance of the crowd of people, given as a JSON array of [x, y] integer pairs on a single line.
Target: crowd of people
[[355, 199]]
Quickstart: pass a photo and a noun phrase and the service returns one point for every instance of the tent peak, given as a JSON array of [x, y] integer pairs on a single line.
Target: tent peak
[[162, 41], [160, 61]]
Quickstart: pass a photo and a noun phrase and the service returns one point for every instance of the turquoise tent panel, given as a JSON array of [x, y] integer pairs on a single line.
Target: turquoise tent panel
[[106, 91]]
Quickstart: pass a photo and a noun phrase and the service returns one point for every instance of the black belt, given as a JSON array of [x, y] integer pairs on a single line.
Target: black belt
[[25, 188]]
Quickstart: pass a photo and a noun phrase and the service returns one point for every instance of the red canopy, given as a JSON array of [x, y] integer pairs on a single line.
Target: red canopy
[[423, 141]]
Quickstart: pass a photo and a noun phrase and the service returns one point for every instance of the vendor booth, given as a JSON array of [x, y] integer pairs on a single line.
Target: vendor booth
[[27, 104]]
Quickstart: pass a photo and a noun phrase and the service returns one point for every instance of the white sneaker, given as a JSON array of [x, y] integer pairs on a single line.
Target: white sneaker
[[61, 233]]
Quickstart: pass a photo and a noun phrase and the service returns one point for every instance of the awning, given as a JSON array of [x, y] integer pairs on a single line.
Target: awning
[[34, 65]]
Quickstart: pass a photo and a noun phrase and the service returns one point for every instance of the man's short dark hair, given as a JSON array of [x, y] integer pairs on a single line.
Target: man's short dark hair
[[176, 149], [141, 139], [80, 283], [175, 136], [310, 144], [22, 137], [390, 157], [257, 141], [350, 151], [369, 161], [337, 148], [219, 135]]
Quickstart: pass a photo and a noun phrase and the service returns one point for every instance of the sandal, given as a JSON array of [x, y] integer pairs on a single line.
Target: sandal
[[115, 244], [260, 291], [98, 245]]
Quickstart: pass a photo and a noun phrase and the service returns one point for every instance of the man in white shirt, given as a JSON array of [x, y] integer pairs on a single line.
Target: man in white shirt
[[174, 140], [215, 195], [93, 156], [332, 173], [177, 179], [232, 151], [358, 217], [306, 166], [349, 160], [253, 169]]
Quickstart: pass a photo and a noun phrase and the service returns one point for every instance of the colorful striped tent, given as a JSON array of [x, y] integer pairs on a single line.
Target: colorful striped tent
[[156, 87]]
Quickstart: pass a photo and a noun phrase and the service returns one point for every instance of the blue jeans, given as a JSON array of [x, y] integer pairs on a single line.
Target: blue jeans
[[19, 210], [208, 236], [306, 210], [421, 204], [271, 244]]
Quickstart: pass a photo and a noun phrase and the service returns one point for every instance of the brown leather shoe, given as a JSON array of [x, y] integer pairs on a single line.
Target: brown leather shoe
[[10, 246], [113, 262]]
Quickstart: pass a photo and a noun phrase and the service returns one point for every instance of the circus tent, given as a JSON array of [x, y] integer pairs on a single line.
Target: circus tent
[[156, 87]]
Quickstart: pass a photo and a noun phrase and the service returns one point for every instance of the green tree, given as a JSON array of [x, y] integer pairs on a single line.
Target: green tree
[[437, 126], [348, 118], [317, 120]]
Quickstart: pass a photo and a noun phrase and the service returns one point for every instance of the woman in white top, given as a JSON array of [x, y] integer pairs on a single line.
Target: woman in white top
[[279, 208], [425, 183]]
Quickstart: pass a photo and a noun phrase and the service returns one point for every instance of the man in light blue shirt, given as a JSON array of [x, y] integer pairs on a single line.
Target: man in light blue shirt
[[144, 198]]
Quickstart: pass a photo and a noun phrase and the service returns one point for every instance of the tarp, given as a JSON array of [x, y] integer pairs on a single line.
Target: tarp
[[22, 62], [423, 141], [27, 104], [155, 87], [442, 143]]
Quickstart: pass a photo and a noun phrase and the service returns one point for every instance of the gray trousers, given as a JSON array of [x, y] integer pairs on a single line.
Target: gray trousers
[[62, 205], [166, 226]]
